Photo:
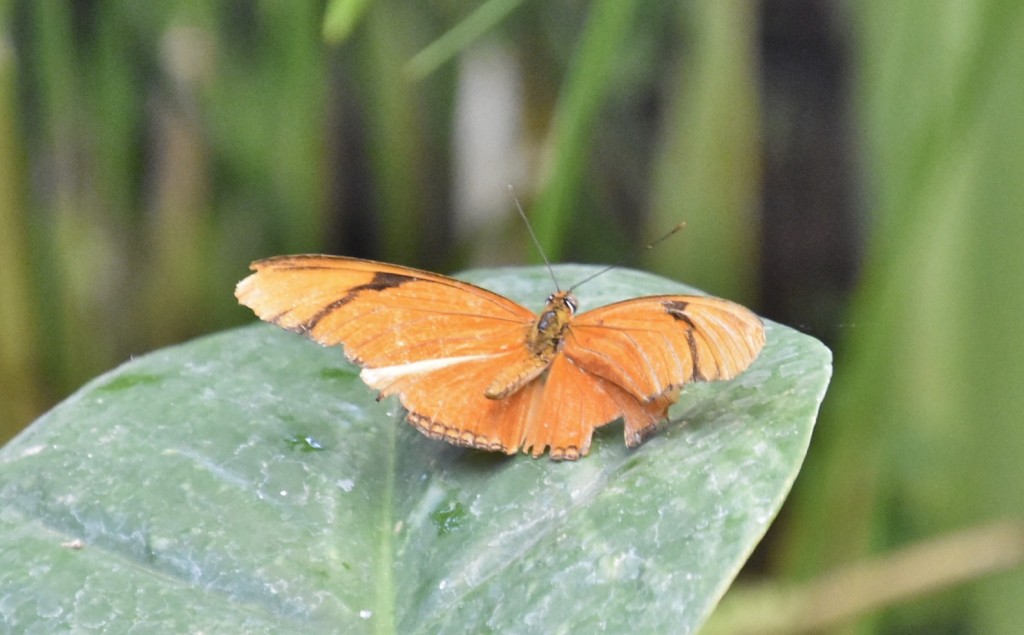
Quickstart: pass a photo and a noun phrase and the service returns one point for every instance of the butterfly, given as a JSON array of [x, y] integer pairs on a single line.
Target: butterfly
[[476, 369]]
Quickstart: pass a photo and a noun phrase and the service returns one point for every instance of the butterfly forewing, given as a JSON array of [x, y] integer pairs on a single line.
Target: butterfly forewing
[[383, 314], [652, 345]]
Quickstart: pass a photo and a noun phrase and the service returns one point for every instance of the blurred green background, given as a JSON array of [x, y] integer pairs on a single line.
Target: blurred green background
[[853, 169]]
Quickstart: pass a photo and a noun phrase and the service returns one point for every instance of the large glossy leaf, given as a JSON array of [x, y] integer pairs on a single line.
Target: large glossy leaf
[[248, 482]]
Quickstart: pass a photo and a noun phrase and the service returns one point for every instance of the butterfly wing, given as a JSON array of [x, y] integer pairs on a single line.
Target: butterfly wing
[[435, 341], [652, 346], [556, 412], [573, 402], [385, 315], [448, 403], [440, 344]]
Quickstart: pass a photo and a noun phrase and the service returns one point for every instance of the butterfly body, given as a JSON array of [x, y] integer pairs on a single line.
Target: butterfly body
[[475, 369], [550, 327], [544, 341]]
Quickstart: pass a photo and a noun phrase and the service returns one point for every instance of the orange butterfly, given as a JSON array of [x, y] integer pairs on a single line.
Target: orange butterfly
[[476, 369]]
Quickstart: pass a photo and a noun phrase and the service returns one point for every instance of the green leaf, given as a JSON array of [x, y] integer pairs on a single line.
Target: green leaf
[[249, 482]]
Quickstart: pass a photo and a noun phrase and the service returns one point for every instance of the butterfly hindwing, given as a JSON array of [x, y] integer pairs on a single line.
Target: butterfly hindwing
[[448, 402], [557, 412], [575, 402]]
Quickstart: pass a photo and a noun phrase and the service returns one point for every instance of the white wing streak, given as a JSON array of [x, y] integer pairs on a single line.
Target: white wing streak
[[388, 374]]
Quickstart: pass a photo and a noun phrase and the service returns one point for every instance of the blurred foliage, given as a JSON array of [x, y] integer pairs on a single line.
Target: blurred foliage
[[148, 151], [923, 432]]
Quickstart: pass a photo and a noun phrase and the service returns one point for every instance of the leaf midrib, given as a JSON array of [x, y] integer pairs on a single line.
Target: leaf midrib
[[384, 604]]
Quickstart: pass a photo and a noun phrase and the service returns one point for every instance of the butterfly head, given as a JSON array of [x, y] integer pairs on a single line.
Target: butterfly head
[[562, 300]]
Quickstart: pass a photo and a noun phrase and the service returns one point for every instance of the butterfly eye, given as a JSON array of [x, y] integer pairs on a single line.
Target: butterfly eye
[[570, 302], [550, 298]]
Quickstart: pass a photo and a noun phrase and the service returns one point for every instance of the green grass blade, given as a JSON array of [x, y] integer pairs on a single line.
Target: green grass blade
[[589, 78], [460, 36]]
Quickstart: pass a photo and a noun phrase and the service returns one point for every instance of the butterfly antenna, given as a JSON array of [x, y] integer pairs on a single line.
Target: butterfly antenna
[[536, 242], [592, 276], [671, 232], [610, 267]]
